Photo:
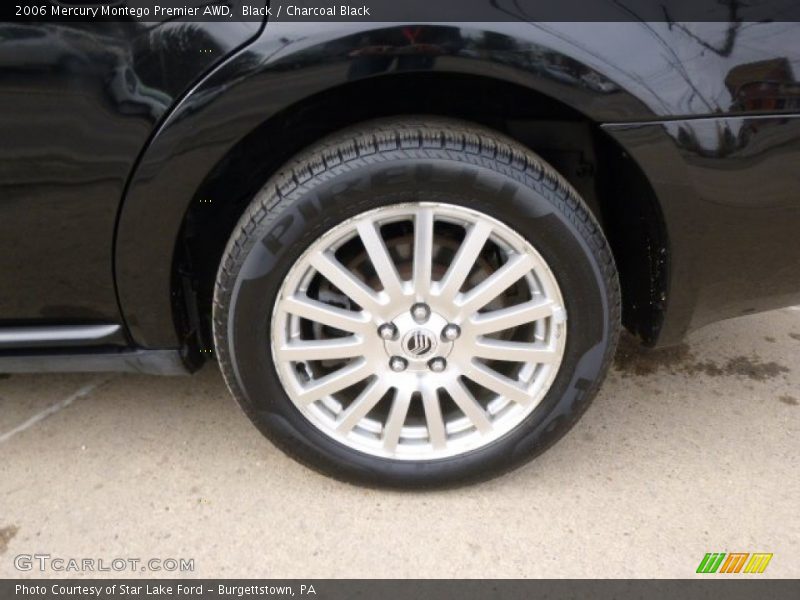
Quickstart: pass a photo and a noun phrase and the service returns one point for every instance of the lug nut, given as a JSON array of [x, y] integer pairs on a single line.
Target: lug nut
[[398, 364], [420, 312], [387, 331], [437, 365], [451, 332]]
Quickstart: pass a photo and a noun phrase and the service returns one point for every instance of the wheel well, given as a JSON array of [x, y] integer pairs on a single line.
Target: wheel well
[[611, 183]]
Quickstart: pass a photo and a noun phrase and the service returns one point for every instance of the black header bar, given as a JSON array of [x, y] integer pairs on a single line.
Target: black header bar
[[402, 10]]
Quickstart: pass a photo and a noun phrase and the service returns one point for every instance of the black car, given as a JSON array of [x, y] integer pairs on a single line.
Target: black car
[[411, 247]]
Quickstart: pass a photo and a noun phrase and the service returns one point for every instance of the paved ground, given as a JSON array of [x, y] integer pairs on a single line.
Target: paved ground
[[684, 452]]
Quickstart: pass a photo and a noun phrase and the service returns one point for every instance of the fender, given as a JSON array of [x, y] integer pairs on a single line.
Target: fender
[[286, 64], [290, 62]]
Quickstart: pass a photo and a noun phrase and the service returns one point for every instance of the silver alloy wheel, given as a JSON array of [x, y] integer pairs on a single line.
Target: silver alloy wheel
[[418, 331]]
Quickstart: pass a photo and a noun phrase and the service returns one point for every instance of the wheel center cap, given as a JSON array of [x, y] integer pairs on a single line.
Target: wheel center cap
[[420, 344]]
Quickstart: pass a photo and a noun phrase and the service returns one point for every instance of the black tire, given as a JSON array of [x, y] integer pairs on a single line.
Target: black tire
[[384, 162]]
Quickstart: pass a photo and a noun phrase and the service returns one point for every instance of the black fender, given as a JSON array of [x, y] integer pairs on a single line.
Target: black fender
[[291, 62]]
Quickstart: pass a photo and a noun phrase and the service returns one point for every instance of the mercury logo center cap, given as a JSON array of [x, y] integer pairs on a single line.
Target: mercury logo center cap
[[419, 344]]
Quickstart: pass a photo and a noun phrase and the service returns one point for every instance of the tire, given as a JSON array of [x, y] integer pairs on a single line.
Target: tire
[[417, 165]]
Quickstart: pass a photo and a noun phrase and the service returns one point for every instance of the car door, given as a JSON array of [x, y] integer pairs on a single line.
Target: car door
[[78, 103]]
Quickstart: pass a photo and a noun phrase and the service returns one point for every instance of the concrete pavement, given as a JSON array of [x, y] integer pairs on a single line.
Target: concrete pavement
[[685, 451]]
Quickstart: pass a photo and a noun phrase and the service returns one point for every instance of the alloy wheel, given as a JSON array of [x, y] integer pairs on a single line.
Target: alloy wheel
[[418, 331]]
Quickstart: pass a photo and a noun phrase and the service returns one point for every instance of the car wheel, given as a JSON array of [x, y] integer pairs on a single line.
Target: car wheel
[[416, 302]]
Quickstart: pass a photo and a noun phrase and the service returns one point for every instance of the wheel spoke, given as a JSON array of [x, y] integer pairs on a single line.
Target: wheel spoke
[[433, 418], [347, 347], [469, 405], [464, 260], [396, 419], [499, 384], [332, 316], [497, 283], [506, 318], [360, 407], [335, 382], [379, 255], [514, 351], [347, 283], [423, 252]]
